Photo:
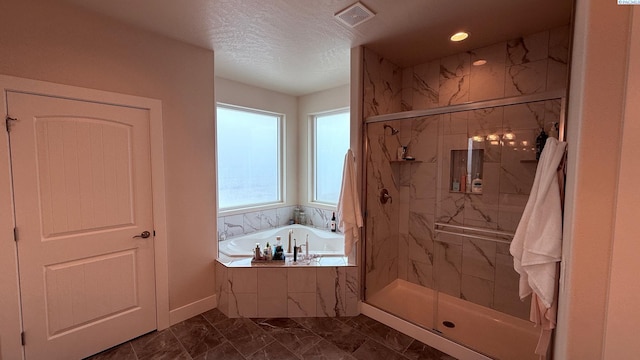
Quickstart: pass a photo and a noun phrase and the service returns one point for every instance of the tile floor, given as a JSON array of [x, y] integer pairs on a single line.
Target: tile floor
[[212, 335]]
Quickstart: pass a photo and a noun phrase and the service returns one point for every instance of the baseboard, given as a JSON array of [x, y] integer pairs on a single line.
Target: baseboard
[[421, 334], [190, 310]]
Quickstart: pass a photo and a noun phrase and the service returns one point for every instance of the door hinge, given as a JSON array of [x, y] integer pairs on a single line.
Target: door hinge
[[15, 234], [22, 338], [7, 121]]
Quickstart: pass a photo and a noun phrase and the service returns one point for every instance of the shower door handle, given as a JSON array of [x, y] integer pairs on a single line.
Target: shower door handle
[[384, 196]]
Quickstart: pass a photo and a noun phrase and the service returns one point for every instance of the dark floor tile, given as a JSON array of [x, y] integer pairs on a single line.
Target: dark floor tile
[[289, 333], [274, 351], [340, 334], [120, 352], [214, 316], [225, 351], [382, 333], [158, 345], [197, 335], [244, 335], [325, 350], [373, 350], [420, 351]]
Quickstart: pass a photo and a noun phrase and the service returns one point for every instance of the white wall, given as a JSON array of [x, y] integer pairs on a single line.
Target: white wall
[[308, 105], [62, 43], [594, 134], [623, 310]]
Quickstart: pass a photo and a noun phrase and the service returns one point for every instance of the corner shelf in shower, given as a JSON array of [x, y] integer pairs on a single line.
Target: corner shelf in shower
[[529, 161]]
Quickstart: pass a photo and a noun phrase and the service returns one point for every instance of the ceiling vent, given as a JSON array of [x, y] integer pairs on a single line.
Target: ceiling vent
[[354, 15]]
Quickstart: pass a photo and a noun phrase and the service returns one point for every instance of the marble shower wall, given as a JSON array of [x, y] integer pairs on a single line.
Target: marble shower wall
[[400, 236]]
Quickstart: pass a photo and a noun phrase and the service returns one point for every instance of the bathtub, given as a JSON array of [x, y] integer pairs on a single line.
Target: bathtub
[[321, 242]]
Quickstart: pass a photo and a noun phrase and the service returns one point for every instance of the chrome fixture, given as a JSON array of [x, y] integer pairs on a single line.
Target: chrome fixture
[[384, 196]]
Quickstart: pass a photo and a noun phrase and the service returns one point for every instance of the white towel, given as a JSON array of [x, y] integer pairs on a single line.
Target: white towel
[[349, 215], [537, 243]]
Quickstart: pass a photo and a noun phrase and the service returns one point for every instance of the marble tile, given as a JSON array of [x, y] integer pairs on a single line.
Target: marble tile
[[450, 209], [525, 116], [291, 334], [448, 268], [424, 179], [510, 211], [477, 290], [479, 258], [251, 222], [284, 214], [268, 219], [330, 290], [301, 304], [272, 292], [158, 345], [529, 48], [382, 85], [403, 256], [273, 353], [121, 352], [516, 176], [244, 335], [381, 333], [455, 123], [456, 65], [372, 350], [420, 351], [426, 85], [453, 89], [352, 291], [197, 335], [242, 281], [222, 287], [324, 350], [243, 305], [225, 351], [424, 136], [407, 89], [420, 273], [421, 237], [233, 226], [301, 280], [526, 78], [343, 336], [214, 316], [487, 81], [508, 301]]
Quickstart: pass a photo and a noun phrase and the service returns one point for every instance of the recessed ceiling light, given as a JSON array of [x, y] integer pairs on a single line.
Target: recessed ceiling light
[[479, 62], [459, 36]]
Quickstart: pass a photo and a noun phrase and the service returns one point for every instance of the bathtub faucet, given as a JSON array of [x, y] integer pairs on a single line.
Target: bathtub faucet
[[290, 236]]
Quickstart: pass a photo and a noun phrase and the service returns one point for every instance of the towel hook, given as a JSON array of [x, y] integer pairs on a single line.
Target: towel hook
[[384, 196]]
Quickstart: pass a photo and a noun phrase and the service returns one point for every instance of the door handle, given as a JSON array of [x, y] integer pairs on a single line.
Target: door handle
[[144, 235]]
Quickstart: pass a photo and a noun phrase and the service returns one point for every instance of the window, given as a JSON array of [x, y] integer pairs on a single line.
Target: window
[[331, 142], [249, 157]]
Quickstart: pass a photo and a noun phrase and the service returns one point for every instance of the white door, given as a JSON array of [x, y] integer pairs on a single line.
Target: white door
[[82, 191]]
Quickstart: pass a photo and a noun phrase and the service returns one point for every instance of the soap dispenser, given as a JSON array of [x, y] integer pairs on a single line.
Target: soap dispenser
[[476, 184]]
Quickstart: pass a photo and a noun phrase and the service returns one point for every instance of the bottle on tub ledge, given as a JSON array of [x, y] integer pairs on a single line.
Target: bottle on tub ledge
[[333, 222], [279, 252]]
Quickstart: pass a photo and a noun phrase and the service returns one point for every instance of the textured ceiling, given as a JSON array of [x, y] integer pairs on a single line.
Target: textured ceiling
[[297, 46]]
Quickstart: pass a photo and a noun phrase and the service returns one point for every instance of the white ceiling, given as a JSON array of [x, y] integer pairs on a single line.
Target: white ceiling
[[297, 46]]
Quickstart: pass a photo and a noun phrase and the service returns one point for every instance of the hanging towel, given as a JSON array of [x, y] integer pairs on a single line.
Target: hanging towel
[[537, 243], [349, 215]]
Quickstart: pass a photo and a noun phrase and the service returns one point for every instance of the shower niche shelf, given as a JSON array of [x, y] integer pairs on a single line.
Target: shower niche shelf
[[404, 161], [466, 166]]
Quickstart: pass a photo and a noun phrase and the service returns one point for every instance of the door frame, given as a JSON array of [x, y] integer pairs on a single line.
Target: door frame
[[10, 311]]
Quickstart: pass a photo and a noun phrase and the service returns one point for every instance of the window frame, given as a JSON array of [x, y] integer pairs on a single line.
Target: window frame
[[313, 153], [281, 159]]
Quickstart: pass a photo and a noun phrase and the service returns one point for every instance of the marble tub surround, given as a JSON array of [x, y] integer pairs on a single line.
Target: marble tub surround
[[253, 221], [212, 335], [287, 291]]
